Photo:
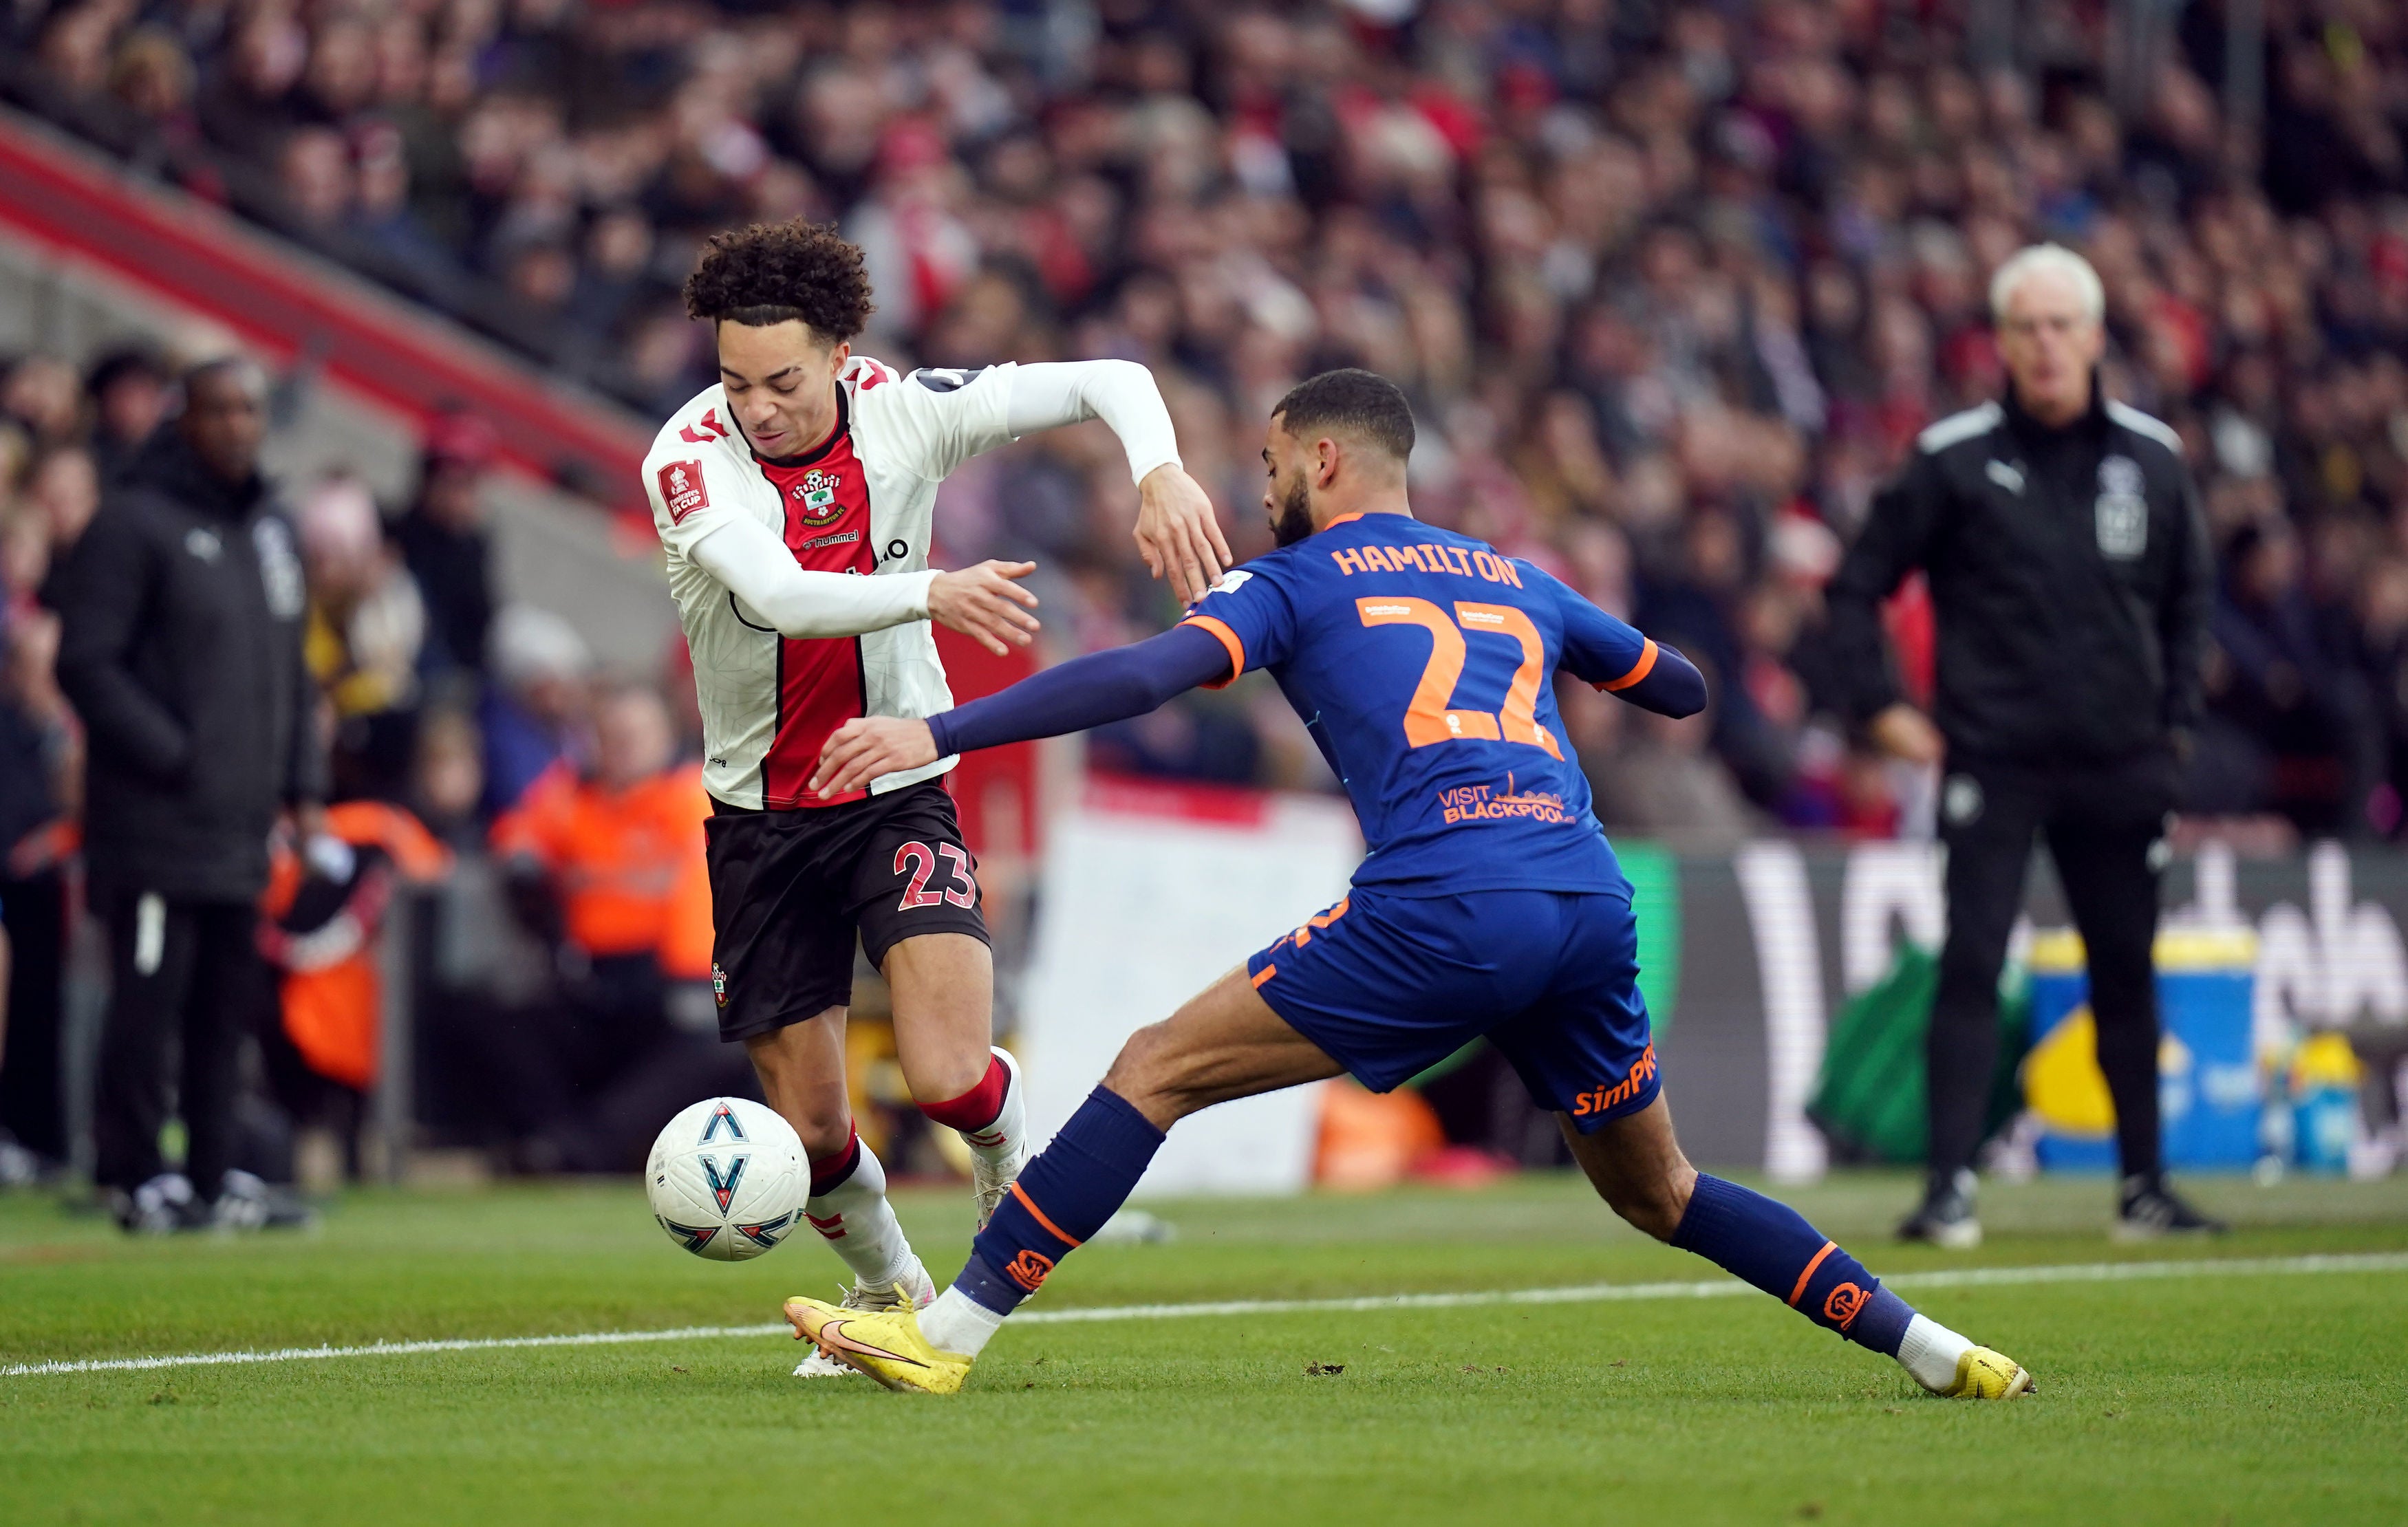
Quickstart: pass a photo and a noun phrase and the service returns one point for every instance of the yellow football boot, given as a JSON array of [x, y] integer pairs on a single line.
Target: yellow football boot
[[1981, 1375], [883, 1344]]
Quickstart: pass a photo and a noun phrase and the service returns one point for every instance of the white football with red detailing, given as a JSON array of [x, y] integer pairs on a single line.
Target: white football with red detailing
[[727, 1179]]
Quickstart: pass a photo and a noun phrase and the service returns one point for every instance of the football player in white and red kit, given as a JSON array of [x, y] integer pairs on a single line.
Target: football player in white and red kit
[[794, 500]]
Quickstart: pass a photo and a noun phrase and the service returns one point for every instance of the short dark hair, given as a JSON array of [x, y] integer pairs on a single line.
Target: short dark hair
[[775, 272], [231, 365], [126, 361], [1352, 402]]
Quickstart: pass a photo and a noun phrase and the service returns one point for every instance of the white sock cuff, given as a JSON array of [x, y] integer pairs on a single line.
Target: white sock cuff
[[869, 1174], [872, 1243], [1000, 1139], [958, 1324], [1929, 1351]]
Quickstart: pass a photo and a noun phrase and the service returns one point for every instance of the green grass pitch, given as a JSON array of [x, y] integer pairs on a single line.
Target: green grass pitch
[[2239, 1398]]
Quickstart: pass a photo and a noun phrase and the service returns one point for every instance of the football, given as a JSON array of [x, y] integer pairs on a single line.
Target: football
[[726, 1178]]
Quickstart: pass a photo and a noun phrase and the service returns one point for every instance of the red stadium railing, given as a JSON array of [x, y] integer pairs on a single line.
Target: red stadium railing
[[290, 306]]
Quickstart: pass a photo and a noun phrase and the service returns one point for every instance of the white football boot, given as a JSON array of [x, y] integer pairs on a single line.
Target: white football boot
[[998, 1151], [915, 1289]]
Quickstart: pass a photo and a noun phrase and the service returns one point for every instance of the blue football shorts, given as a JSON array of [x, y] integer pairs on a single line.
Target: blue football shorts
[[1388, 986]]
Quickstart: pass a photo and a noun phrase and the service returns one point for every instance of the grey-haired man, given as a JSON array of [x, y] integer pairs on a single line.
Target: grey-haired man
[[2069, 567]]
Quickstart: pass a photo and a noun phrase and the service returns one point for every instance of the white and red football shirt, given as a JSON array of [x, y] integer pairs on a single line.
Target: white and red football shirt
[[859, 503]]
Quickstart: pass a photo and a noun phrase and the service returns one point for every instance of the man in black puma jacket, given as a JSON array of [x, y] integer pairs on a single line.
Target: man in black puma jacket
[[2071, 575], [181, 609]]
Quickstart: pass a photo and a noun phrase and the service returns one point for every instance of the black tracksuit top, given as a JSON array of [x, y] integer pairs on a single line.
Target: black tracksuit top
[[181, 611], [2070, 575]]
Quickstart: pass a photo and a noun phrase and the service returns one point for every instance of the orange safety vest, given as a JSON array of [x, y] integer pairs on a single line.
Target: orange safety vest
[[333, 995], [687, 933], [629, 863]]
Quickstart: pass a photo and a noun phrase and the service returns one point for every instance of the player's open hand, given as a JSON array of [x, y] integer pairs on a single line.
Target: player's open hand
[[986, 605], [868, 747], [1178, 534]]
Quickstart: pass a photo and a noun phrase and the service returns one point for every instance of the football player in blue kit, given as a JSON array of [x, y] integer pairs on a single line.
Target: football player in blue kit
[[1489, 903]]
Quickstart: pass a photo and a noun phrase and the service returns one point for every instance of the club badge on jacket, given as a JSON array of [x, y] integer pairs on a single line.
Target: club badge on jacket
[[2121, 510]]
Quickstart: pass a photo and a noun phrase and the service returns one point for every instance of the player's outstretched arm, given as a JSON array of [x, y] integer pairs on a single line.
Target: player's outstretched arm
[[983, 602], [1092, 691], [1668, 684], [1177, 531], [1611, 655]]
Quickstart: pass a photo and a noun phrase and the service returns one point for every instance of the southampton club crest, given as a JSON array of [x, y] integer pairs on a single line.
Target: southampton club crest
[[2122, 512], [815, 498]]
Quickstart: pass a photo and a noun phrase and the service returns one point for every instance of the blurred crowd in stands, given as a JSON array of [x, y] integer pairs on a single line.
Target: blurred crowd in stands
[[1673, 288], [553, 813]]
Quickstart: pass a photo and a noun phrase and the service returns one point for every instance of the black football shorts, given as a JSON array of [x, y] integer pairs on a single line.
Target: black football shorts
[[790, 890]]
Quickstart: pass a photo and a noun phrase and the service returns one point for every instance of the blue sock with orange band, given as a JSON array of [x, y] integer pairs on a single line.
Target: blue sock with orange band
[[1770, 1245], [1062, 1198]]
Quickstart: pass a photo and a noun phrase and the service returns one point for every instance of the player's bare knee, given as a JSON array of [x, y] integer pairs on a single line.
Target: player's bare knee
[[825, 1138], [822, 1117], [935, 1078], [1148, 1075], [1135, 1069], [816, 1106], [1653, 1201], [1645, 1211]]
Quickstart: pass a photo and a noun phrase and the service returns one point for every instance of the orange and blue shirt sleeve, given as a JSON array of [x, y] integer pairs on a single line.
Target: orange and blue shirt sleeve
[[1249, 614], [1244, 622], [1615, 657], [1085, 691]]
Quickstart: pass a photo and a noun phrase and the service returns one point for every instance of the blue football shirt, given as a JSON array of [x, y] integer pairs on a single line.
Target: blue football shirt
[[1422, 662]]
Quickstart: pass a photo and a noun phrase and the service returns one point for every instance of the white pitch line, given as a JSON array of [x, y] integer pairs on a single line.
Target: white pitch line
[[2091, 1272], [387, 1348]]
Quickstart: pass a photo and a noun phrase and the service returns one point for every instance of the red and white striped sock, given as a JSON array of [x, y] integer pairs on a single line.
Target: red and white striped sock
[[990, 1118], [847, 1207]]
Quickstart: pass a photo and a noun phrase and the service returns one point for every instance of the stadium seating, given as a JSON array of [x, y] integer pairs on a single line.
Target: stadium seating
[[1672, 292]]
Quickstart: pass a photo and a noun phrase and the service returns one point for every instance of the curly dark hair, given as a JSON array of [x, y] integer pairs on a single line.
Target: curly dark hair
[[772, 272], [1350, 401]]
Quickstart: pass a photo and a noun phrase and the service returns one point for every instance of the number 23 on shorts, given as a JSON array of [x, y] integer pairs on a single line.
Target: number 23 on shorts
[[922, 861], [1427, 718]]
